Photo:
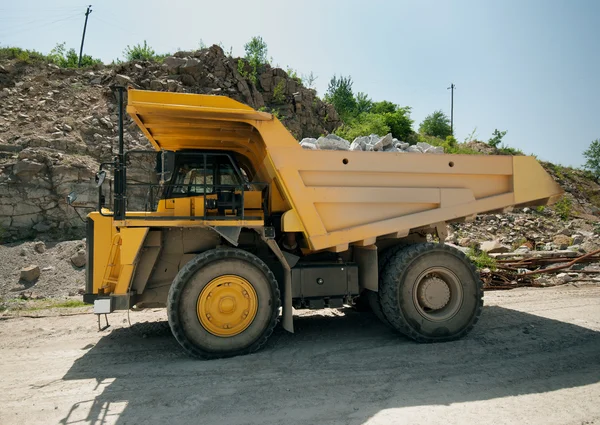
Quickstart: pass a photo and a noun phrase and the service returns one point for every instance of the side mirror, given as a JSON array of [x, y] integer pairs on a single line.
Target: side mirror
[[71, 197], [165, 164], [100, 177]]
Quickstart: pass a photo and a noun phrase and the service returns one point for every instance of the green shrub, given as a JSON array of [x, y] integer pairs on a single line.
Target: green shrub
[[142, 52], [28, 56], [496, 138], [279, 92], [293, 75], [563, 208], [363, 125], [69, 58], [507, 150], [481, 259]]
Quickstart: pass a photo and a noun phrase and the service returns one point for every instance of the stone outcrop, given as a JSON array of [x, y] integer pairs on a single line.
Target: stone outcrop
[[58, 125]]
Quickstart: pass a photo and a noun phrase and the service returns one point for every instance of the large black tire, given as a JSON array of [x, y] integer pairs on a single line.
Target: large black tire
[[373, 297], [446, 312], [184, 295]]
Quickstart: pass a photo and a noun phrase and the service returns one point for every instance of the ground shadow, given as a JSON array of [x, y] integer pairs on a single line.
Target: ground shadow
[[342, 369]]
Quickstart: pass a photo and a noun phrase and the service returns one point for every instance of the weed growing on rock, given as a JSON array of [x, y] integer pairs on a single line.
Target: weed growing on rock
[[481, 259], [563, 208]]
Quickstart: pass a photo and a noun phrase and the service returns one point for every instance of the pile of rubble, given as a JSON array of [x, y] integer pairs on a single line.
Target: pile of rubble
[[37, 270], [531, 247], [373, 142]]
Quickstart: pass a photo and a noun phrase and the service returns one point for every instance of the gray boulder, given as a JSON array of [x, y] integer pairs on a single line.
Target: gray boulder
[[309, 143], [30, 273], [79, 259], [333, 142]]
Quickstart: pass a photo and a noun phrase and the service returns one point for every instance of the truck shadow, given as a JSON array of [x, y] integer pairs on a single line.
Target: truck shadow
[[342, 369]]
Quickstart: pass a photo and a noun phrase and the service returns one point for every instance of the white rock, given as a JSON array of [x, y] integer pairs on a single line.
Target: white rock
[[382, 142], [333, 142], [434, 149], [309, 143], [493, 247], [563, 277], [423, 146]]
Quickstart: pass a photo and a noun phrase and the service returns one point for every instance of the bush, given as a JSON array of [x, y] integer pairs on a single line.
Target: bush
[[142, 52], [363, 125], [23, 55], [69, 58], [496, 138], [481, 259], [279, 92], [563, 208], [507, 150]]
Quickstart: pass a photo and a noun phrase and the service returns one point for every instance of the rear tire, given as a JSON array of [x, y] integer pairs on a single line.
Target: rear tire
[[373, 297], [223, 303], [431, 292]]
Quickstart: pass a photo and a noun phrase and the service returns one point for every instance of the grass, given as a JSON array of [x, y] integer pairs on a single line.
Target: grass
[[28, 56], [36, 305], [481, 259]]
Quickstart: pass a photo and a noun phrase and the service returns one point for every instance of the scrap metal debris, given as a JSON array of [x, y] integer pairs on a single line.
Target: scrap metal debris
[[527, 270]]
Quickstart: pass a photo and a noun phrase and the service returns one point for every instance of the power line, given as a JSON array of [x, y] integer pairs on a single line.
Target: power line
[[115, 25], [41, 26]]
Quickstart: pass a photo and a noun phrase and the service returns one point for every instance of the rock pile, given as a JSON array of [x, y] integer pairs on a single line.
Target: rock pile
[[373, 143], [58, 125]]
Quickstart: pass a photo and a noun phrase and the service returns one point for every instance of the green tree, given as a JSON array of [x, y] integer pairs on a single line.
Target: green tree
[[592, 155], [256, 51], [436, 124], [383, 107], [256, 56], [340, 95], [399, 122], [496, 138], [363, 103]]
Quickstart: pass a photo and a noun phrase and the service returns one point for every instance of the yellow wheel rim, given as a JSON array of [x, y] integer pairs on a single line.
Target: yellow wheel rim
[[227, 305]]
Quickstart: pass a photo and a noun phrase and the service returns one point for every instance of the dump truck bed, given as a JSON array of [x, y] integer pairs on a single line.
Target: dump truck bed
[[338, 198]]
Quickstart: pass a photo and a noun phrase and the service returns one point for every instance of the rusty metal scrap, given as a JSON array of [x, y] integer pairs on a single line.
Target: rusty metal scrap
[[521, 272]]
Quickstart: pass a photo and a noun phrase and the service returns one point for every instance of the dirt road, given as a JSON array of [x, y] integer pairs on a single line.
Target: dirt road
[[533, 358]]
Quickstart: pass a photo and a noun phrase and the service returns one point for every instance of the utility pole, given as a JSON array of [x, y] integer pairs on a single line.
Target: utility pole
[[452, 87], [87, 13]]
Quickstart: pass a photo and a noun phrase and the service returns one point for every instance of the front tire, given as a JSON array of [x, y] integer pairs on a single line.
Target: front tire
[[223, 303], [431, 292]]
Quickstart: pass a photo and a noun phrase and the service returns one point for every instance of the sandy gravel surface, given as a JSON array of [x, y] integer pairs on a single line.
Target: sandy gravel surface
[[534, 358]]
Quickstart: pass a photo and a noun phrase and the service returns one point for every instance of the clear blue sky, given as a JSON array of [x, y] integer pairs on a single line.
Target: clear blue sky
[[531, 67]]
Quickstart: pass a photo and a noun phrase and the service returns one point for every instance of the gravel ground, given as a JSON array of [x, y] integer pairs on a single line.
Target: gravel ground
[[58, 277], [534, 358]]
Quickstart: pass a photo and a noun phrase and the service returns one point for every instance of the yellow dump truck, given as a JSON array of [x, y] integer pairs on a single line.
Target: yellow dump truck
[[246, 226]]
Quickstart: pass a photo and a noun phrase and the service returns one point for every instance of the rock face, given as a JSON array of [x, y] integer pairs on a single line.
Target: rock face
[[58, 125]]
